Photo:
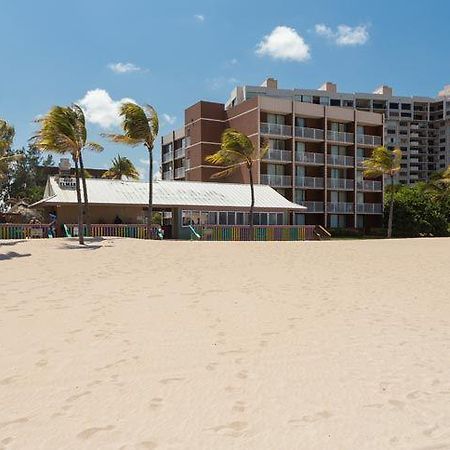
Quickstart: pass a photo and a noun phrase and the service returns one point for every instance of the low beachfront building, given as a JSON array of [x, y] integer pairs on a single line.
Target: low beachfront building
[[181, 204]]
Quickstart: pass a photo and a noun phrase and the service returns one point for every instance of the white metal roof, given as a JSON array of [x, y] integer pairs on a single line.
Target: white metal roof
[[170, 194]]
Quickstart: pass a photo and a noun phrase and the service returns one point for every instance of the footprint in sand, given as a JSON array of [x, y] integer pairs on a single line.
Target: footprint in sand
[[313, 418], [89, 432], [12, 422], [243, 374], [155, 403], [239, 407], [77, 396], [148, 445], [170, 380], [9, 380], [211, 366], [234, 429]]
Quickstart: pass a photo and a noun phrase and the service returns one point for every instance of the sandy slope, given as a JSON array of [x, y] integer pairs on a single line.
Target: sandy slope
[[178, 345]]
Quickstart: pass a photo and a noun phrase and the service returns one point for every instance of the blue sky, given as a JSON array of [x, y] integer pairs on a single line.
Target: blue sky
[[174, 53]]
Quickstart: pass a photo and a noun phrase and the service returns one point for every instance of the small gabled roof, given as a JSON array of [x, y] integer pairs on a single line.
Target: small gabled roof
[[166, 193]]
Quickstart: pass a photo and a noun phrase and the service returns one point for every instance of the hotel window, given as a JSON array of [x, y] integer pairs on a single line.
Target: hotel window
[[335, 126], [300, 147], [275, 119], [277, 144], [299, 122], [275, 169]]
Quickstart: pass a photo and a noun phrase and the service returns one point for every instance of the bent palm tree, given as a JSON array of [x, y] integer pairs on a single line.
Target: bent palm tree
[[384, 162], [121, 168], [7, 134], [63, 130], [140, 126], [237, 149], [439, 183]]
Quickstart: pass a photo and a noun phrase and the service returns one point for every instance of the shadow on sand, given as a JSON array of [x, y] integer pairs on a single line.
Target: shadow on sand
[[90, 244], [12, 255], [11, 243]]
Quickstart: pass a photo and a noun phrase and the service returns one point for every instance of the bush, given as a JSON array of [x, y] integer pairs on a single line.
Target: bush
[[346, 232], [417, 212]]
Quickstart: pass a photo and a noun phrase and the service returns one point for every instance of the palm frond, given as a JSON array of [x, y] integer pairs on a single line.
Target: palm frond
[[93, 146]]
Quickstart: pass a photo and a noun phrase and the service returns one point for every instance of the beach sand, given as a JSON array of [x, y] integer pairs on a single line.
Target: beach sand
[[129, 344]]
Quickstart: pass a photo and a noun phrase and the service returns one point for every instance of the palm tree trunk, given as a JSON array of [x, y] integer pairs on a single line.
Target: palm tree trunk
[[391, 210], [252, 205], [86, 219], [80, 203], [150, 192]]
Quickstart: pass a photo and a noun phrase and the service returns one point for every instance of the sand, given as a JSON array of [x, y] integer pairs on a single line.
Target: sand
[[129, 344]]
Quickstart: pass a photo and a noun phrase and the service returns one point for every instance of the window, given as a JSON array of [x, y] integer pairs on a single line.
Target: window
[[299, 122], [299, 219], [406, 106], [335, 102], [300, 147], [222, 218], [239, 218], [393, 105], [276, 119], [231, 218]]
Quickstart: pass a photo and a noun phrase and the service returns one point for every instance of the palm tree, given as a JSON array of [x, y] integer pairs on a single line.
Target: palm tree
[[63, 130], [439, 183], [121, 167], [7, 134], [384, 162], [140, 126], [237, 149]]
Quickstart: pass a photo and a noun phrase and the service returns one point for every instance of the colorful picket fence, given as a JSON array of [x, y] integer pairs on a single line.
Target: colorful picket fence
[[137, 231], [261, 233], [23, 231]]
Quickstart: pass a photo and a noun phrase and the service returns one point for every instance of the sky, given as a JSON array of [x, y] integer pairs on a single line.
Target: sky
[[172, 54]]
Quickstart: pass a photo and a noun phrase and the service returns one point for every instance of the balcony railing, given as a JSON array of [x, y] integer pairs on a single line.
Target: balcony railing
[[309, 157], [339, 136], [369, 185], [180, 153], [168, 175], [314, 207], [366, 139], [274, 154], [360, 161], [276, 180], [309, 182], [179, 173], [275, 129], [340, 160], [309, 133], [167, 157], [341, 183], [369, 208], [340, 207]]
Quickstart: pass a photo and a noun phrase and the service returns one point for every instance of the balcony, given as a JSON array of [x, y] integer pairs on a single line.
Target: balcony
[[179, 173], [274, 154], [314, 207], [276, 180], [340, 160], [365, 139], [360, 161], [341, 184], [276, 130], [167, 157], [314, 134], [368, 185], [340, 207], [168, 175], [180, 153], [309, 182], [339, 136], [369, 208], [309, 157]]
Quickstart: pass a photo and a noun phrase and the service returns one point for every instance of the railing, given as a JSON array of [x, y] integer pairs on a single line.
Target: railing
[[340, 136], [276, 180], [274, 128], [274, 154], [167, 157], [179, 173], [23, 231], [360, 161], [311, 182], [309, 157], [340, 160], [309, 133], [168, 175], [369, 208], [339, 207], [368, 185], [180, 153], [366, 139], [137, 231], [261, 233], [341, 183], [314, 207]]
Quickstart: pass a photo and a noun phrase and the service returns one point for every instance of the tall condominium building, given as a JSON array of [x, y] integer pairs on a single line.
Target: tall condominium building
[[419, 126], [315, 154]]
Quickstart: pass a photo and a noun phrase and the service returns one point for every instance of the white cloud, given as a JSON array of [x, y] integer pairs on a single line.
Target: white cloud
[[344, 34], [199, 17], [168, 119], [284, 43], [124, 67], [100, 109]]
